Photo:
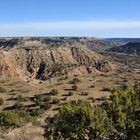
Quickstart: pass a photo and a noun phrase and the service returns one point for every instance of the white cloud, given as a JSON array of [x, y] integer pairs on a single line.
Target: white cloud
[[71, 28]]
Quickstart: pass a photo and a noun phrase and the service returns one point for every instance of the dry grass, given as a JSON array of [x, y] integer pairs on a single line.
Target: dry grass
[[91, 84]]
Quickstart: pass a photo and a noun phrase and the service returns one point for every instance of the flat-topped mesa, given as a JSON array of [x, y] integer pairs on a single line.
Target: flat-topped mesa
[[30, 57]]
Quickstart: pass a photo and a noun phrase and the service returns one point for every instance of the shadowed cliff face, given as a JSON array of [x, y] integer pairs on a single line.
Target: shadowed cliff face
[[33, 58], [129, 48]]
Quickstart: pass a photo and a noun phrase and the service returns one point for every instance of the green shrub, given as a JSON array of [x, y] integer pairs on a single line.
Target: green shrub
[[92, 86], [115, 119], [124, 87], [36, 112], [106, 89], [63, 78], [125, 80], [125, 111], [55, 101], [104, 98], [20, 98], [54, 92], [45, 106], [84, 94], [12, 118], [70, 93], [47, 98], [19, 105], [92, 99], [75, 87], [75, 81], [41, 99], [77, 120], [2, 89], [1, 101]]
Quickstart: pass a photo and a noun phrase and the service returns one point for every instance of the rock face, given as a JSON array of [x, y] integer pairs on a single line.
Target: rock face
[[40, 58], [7, 65]]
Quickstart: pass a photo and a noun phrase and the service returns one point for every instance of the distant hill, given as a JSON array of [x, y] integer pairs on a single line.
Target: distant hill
[[123, 40], [130, 48], [92, 43]]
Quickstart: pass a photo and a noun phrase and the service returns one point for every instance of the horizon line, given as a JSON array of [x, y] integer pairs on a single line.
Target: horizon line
[[45, 36], [99, 28]]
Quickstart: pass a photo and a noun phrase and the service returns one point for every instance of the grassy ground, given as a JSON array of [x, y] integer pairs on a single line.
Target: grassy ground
[[90, 86]]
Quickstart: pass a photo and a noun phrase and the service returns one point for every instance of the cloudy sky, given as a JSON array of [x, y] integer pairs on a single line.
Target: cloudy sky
[[99, 18]]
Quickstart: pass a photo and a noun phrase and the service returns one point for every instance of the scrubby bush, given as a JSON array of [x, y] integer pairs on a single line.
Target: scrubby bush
[[92, 99], [70, 93], [1, 101], [92, 86], [106, 89], [45, 106], [41, 99], [2, 89], [55, 101], [20, 98], [125, 80], [63, 78], [78, 120], [125, 112], [102, 98], [75, 87], [54, 92], [12, 119], [115, 119], [19, 105], [39, 102], [36, 112], [124, 87], [84, 94], [75, 81], [47, 98]]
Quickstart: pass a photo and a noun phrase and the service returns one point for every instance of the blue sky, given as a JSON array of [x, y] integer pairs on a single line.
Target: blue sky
[[100, 18]]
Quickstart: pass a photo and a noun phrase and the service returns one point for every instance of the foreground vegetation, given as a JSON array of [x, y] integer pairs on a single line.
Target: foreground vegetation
[[80, 107], [117, 118]]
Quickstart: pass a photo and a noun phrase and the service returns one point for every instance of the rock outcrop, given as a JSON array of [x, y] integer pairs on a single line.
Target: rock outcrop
[[39, 59]]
